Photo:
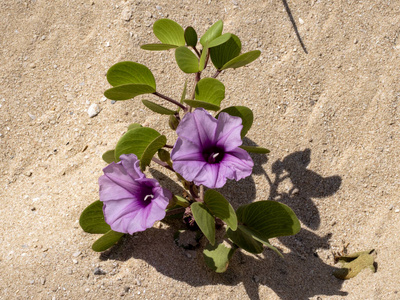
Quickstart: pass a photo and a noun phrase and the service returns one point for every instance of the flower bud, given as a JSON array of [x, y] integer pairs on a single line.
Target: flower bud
[[173, 122]]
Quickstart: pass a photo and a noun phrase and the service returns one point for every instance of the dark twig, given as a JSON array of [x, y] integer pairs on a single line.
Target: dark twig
[[163, 164], [294, 25], [171, 100], [216, 73]]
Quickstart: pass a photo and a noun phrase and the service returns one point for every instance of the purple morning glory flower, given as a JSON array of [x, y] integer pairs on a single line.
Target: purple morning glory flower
[[207, 151], [131, 201]]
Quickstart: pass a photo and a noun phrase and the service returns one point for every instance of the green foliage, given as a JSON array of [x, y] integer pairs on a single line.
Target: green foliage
[[220, 208], [106, 241], [204, 220], [209, 93], [158, 108], [354, 263], [158, 47], [219, 40], [203, 57], [244, 241], [244, 113], [128, 72], [134, 125], [92, 219], [242, 60], [143, 142], [190, 36], [128, 91], [217, 257], [225, 52], [212, 33], [109, 156], [169, 32], [187, 61], [254, 149]]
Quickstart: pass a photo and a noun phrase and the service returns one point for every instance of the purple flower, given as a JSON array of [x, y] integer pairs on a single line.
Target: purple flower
[[207, 151], [131, 201]]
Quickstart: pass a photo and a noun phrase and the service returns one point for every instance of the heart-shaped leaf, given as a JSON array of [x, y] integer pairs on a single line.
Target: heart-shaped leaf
[[204, 220], [158, 108], [140, 141], [158, 47], [212, 33], [268, 219], [253, 149], [128, 91], [225, 52], [129, 72], [244, 241], [92, 219], [242, 60], [106, 241], [190, 36], [217, 257], [169, 32], [187, 61], [205, 105], [210, 90], [109, 156], [221, 208], [244, 113]]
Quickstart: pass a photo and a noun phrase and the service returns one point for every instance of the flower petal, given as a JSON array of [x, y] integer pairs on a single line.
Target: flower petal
[[198, 127], [228, 131], [239, 162], [132, 165], [118, 174]]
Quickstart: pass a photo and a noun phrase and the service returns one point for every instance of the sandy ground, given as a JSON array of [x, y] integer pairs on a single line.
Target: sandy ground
[[325, 92]]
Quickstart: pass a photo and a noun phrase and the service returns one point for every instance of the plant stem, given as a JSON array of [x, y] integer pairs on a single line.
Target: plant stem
[[171, 100], [216, 73], [163, 164], [168, 146], [197, 51]]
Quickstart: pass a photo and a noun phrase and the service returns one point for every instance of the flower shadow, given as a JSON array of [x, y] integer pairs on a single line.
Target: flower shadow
[[301, 274]]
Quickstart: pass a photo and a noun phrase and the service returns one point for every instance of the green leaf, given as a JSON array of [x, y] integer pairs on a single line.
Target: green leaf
[[190, 36], [220, 40], [128, 91], [244, 113], [205, 105], [181, 201], [158, 47], [204, 220], [242, 60], [244, 241], [109, 156], [217, 257], [183, 96], [254, 149], [223, 53], [128, 72], [157, 108], [268, 219], [210, 90], [187, 61], [106, 241], [212, 33], [92, 219], [134, 125], [221, 208], [135, 141], [203, 57], [169, 32], [151, 149]]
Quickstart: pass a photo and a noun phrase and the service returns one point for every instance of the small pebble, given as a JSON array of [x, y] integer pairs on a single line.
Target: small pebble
[[113, 101], [397, 210], [43, 280], [301, 21], [74, 261], [33, 117], [94, 110], [98, 271], [126, 14], [87, 290], [76, 254]]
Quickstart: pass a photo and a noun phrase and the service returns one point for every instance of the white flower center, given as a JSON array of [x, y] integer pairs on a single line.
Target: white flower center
[[148, 197], [215, 155]]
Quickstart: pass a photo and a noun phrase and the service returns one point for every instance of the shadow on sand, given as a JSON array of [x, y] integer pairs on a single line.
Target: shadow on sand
[[300, 275]]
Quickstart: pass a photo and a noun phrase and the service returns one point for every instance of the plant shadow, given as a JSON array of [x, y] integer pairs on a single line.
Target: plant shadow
[[301, 274]]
